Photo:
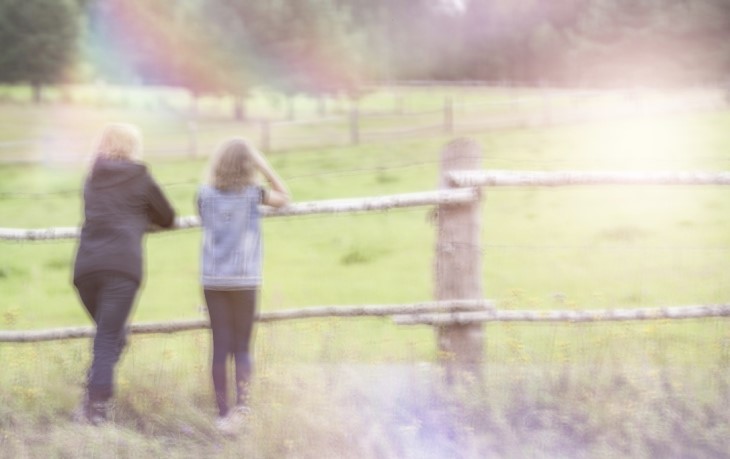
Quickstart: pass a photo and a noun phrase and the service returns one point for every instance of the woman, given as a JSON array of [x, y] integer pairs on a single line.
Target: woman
[[121, 201], [231, 261]]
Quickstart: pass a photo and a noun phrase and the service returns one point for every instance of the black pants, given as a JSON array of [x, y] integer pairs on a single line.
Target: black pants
[[231, 321], [108, 297]]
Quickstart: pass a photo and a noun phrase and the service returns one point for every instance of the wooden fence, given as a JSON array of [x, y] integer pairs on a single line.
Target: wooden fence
[[459, 310], [520, 107]]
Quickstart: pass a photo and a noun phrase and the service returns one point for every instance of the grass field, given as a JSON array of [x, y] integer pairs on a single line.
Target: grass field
[[655, 389]]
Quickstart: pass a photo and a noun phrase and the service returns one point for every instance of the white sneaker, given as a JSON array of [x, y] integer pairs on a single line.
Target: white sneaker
[[233, 422], [223, 425], [87, 412]]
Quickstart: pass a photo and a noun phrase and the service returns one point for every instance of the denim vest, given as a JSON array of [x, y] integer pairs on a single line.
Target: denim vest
[[231, 253]]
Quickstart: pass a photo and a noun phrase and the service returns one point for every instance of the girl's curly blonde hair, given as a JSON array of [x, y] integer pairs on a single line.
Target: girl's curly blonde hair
[[232, 167]]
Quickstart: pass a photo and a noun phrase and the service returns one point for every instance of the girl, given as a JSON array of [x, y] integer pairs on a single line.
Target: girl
[[121, 200], [231, 261]]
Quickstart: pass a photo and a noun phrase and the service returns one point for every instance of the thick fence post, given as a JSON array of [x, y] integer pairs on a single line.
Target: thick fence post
[[458, 266]]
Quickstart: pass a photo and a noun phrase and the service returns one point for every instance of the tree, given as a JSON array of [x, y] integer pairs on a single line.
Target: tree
[[327, 47], [39, 40], [164, 42], [638, 42], [318, 54], [404, 39], [293, 46]]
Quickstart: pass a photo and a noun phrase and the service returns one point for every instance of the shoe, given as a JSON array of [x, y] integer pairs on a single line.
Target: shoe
[[225, 426], [88, 412], [232, 423], [96, 412], [241, 414]]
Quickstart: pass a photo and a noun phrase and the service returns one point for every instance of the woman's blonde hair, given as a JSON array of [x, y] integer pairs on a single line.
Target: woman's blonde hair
[[119, 141], [232, 166]]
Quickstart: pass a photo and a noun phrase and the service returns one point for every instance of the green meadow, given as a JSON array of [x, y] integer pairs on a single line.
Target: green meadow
[[645, 389]]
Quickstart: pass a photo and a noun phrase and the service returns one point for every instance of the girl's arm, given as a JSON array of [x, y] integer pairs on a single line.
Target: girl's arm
[[278, 194]]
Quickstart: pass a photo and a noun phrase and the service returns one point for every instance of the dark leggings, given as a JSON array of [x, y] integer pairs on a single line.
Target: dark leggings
[[108, 298], [231, 321]]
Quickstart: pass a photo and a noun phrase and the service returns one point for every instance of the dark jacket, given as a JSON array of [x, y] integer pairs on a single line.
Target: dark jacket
[[121, 199]]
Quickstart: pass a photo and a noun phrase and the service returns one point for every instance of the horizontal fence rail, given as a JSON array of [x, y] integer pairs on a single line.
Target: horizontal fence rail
[[584, 315], [333, 206], [573, 178], [13, 336]]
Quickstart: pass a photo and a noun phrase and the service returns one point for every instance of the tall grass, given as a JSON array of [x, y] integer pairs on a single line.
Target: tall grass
[[633, 404]]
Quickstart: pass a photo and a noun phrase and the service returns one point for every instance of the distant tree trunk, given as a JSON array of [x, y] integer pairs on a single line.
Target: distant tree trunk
[[239, 108], [194, 104], [66, 95], [321, 106], [290, 108], [354, 125], [37, 92]]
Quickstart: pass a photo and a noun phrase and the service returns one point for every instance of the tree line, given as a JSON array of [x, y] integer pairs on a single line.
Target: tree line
[[323, 47]]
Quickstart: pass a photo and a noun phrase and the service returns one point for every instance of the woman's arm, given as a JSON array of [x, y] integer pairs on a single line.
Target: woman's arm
[[159, 209], [278, 194]]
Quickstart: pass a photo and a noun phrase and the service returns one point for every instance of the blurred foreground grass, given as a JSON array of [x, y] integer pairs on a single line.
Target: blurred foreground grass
[[635, 403]]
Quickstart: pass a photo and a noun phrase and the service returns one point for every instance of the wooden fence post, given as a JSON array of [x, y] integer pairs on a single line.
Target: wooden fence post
[[46, 149], [290, 116], [193, 138], [265, 136], [240, 111], [398, 104], [545, 96], [354, 125], [321, 106], [448, 115], [458, 266]]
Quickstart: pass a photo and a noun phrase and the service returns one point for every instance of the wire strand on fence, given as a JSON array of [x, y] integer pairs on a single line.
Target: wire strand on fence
[[364, 170], [386, 167], [273, 316], [194, 182], [402, 132]]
